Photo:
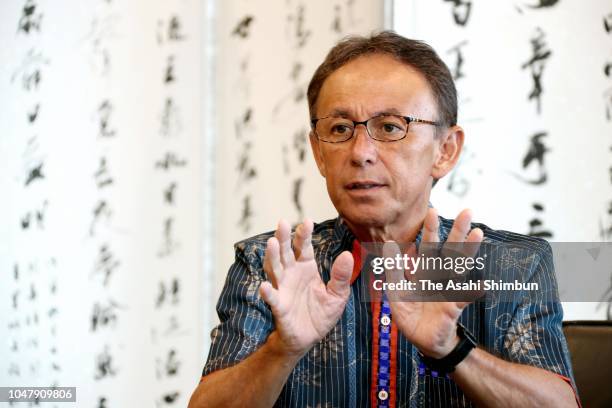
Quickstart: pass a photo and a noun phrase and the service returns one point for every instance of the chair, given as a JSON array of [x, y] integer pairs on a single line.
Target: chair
[[590, 346]]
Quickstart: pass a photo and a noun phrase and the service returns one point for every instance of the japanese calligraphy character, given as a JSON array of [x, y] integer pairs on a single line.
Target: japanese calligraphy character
[[102, 402], [242, 28], [170, 161], [605, 231], [169, 119], [102, 31], [536, 65], [35, 173], [105, 109], [169, 245], [461, 11], [535, 154], [297, 190], [169, 193], [101, 211], [30, 18], [246, 214], [33, 114], [174, 29], [300, 34], [172, 364], [170, 398], [542, 4], [337, 21], [104, 315], [457, 68], [458, 183], [30, 70], [38, 215], [172, 32], [169, 367], [171, 292], [106, 263], [536, 228], [102, 176], [300, 142], [246, 171], [104, 365], [243, 123], [169, 75]]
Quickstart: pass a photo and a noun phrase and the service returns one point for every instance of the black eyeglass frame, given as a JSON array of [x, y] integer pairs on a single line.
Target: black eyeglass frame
[[408, 119]]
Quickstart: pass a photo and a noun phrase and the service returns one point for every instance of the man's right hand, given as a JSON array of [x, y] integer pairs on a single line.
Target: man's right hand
[[304, 308]]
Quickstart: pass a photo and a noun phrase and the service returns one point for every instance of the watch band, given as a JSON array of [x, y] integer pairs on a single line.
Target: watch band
[[447, 364]]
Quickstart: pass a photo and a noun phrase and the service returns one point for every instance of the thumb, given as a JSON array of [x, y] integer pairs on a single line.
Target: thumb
[[342, 269]]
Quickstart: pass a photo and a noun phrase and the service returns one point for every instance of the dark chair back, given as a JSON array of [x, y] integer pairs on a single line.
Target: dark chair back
[[590, 346]]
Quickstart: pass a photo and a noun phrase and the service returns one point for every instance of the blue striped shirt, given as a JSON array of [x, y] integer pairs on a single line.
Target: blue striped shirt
[[336, 372]]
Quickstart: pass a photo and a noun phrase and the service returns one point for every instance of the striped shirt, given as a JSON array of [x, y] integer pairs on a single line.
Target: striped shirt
[[338, 370]]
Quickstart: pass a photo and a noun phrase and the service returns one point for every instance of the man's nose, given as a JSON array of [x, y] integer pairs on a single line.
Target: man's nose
[[363, 147]]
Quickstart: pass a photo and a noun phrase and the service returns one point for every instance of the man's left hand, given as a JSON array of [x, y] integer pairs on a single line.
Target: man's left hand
[[432, 326]]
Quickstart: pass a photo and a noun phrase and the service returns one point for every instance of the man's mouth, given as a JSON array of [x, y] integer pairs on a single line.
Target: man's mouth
[[363, 185]]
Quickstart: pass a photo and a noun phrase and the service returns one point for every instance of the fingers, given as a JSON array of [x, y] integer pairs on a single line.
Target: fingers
[[279, 252], [302, 243], [272, 262], [340, 281], [474, 238], [283, 235], [431, 226], [430, 237], [269, 294], [460, 233], [461, 227]]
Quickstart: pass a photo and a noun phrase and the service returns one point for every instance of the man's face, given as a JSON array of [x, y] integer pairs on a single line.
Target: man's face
[[372, 183]]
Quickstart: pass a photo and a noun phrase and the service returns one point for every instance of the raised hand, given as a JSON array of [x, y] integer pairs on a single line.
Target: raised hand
[[431, 326], [304, 308]]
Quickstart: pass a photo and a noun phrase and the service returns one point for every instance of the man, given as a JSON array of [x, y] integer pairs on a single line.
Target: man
[[295, 329]]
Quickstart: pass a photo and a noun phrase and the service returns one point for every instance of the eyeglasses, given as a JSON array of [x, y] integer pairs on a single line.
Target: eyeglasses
[[384, 128]]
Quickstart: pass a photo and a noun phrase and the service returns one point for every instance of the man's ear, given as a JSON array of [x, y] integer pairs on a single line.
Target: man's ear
[[450, 144], [316, 151]]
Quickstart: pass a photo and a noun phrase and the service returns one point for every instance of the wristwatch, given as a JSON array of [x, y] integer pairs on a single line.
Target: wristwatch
[[447, 364]]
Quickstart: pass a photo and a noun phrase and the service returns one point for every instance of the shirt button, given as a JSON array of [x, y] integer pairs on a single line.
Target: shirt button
[[385, 320], [383, 395]]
